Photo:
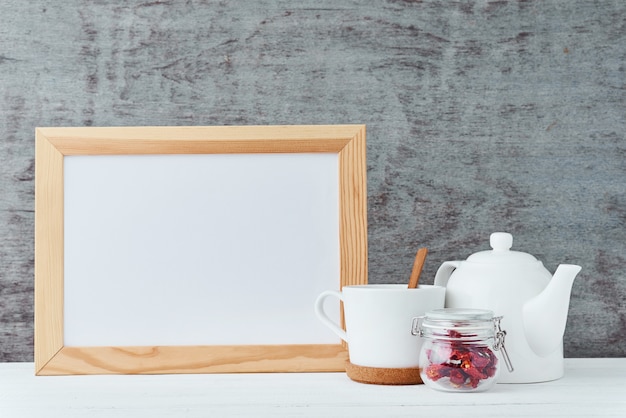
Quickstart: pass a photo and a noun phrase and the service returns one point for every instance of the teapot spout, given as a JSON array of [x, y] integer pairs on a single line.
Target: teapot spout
[[545, 315]]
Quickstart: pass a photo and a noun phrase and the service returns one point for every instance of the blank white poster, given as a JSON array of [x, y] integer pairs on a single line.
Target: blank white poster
[[199, 249]]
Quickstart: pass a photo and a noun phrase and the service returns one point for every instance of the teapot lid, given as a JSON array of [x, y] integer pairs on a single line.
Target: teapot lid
[[501, 243]]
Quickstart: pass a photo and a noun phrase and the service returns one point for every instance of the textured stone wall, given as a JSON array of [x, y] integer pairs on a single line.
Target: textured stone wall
[[481, 116]]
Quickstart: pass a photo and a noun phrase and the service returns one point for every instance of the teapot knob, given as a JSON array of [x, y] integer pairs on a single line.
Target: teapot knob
[[501, 241]]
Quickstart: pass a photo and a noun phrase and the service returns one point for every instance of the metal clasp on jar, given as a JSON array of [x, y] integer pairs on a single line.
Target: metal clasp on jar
[[416, 326], [499, 342]]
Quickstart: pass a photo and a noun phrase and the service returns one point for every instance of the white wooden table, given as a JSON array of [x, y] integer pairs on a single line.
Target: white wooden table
[[590, 388]]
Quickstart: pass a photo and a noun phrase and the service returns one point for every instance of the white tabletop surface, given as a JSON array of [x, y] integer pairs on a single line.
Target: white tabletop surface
[[590, 388]]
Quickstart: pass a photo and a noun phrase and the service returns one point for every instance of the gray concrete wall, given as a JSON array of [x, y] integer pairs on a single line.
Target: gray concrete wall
[[481, 115]]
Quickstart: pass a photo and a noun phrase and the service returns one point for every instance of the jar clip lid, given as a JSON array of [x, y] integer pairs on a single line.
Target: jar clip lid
[[479, 315]]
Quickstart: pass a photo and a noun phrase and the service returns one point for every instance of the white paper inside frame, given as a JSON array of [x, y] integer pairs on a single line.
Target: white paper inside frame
[[199, 249]]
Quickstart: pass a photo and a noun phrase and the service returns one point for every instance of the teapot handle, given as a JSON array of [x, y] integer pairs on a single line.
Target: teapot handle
[[445, 270]]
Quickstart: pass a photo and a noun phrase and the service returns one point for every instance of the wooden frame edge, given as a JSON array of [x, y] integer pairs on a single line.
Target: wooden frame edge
[[353, 224], [48, 251], [201, 139], [197, 359]]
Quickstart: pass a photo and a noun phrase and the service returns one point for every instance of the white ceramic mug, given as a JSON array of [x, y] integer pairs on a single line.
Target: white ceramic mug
[[378, 321]]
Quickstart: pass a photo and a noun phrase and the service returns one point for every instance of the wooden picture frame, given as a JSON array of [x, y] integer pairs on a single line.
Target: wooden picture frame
[[53, 144]]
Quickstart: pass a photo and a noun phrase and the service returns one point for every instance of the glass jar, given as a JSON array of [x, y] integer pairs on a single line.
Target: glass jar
[[458, 351]]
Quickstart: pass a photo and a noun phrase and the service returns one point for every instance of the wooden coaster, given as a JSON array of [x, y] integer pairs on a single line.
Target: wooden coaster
[[383, 376]]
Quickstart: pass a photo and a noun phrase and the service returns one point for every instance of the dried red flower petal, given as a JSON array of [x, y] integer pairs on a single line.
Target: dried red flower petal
[[436, 371], [474, 383], [490, 371], [475, 373], [457, 377], [480, 358]]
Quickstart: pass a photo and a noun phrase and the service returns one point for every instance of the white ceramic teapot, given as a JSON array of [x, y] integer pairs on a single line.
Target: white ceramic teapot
[[533, 304]]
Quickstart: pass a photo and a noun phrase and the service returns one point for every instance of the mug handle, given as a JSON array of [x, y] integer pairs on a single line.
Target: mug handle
[[321, 314]]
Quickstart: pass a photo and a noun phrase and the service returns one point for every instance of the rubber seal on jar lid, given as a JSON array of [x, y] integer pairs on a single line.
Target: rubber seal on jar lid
[[459, 314]]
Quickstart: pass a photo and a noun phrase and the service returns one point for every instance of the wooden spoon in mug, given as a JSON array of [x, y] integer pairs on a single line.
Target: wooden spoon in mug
[[418, 264]]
